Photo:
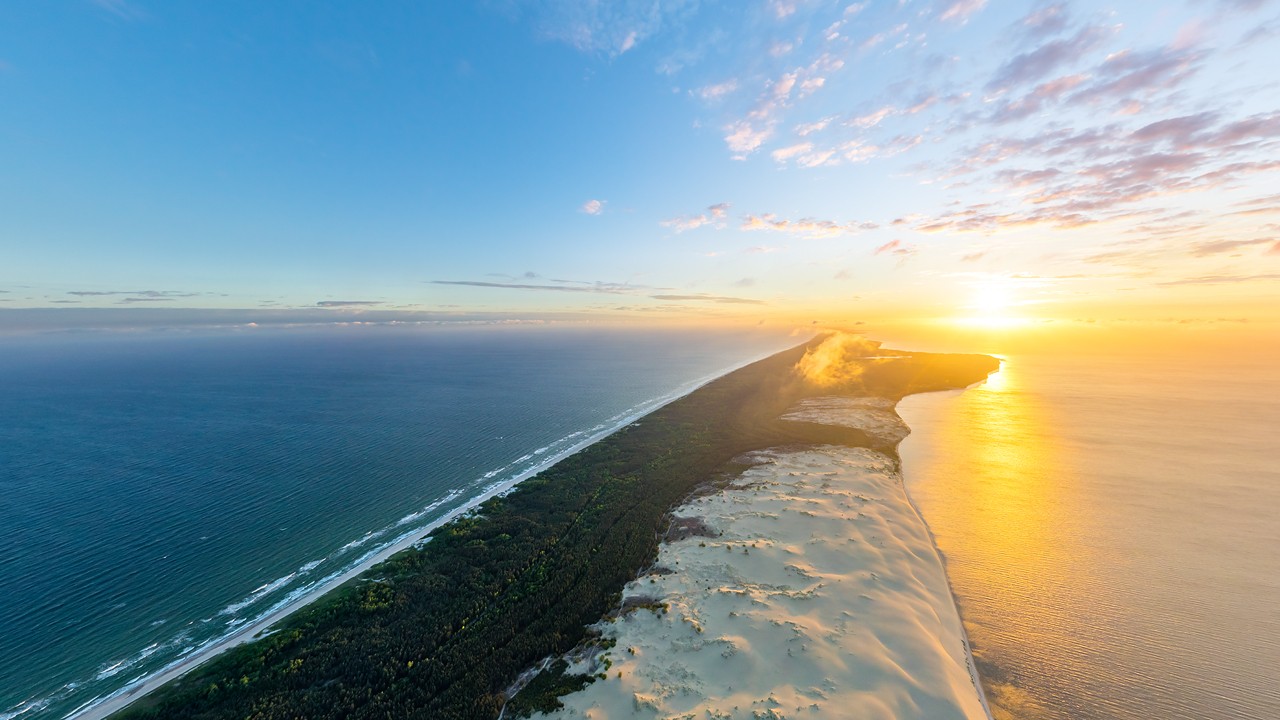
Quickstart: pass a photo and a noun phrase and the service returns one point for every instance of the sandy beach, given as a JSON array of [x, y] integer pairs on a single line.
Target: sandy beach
[[813, 590]]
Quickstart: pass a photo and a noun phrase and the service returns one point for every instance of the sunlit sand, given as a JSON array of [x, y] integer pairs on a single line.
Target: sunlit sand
[[816, 592]]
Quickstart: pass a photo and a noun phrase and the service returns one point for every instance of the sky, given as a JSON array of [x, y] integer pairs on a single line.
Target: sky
[[971, 163]]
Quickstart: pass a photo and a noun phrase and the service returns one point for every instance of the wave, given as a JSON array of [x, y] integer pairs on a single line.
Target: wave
[[409, 531]]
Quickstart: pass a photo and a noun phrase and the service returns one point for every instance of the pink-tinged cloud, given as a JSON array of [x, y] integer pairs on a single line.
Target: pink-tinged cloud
[[1039, 63], [961, 10], [896, 248], [805, 227], [787, 153], [1222, 279], [1042, 97], [1126, 74], [1179, 131], [745, 138], [813, 127], [717, 91], [873, 118], [1215, 247], [1047, 20], [714, 215], [592, 207]]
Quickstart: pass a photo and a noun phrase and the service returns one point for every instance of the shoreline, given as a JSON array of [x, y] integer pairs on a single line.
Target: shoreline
[[102, 708], [955, 599], [933, 540]]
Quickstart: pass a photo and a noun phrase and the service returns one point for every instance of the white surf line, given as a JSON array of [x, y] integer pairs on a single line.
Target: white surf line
[[118, 700]]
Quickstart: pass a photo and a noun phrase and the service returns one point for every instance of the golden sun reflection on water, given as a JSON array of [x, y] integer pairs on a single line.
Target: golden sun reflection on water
[[1005, 475], [1109, 530]]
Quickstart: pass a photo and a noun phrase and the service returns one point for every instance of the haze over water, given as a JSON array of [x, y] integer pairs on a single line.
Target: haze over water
[[1110, 532]]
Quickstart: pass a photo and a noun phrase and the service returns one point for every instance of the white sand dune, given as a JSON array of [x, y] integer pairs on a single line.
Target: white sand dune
[[875, 416], [821, 597]]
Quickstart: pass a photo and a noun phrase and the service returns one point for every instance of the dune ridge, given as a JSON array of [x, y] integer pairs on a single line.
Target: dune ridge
[[810, 587]]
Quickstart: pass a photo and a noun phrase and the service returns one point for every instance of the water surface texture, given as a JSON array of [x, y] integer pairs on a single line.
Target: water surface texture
[[158, 492], [1110, 532]]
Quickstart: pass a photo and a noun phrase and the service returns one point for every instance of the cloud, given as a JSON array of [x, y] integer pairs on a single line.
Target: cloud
[[139, 293], [715, 214], [1178, 131], [710, 298], [348, 303], [1222, 279], [1215, 247], [813, 127], [123, 9], [1125, 74], [808, 227], [717, 91], [748, 134], [1047, 20], [592, 207], [1069, 178], [628, 42], [573, 286], [897, 248], [611, 28], [745, 138], [873, 118], [138, 296], [961, 10], [1039, 98], [1039, 63]]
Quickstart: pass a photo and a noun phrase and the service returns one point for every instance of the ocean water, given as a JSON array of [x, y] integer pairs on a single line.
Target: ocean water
[[158, 491], [1112, 532]]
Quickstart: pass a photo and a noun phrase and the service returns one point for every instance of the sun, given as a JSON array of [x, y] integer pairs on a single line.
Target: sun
[[992, 305], [992, 299]]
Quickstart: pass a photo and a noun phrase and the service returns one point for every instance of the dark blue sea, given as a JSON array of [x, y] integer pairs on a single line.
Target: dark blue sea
[[159, 490]]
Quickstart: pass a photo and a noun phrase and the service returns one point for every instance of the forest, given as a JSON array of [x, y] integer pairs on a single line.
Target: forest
[[443, 631]]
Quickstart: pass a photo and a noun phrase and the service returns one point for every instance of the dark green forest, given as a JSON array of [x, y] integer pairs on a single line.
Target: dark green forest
[[440, 632]]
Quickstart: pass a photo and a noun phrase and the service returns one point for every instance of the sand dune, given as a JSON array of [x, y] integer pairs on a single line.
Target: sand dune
[[820, 595], [875, 416]]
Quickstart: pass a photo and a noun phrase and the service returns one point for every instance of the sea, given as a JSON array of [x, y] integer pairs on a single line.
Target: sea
[[1111, 529], [159, 490]]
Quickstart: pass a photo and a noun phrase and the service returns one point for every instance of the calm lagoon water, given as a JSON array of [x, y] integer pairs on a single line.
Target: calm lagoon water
[[156, 492], [1112, 533]]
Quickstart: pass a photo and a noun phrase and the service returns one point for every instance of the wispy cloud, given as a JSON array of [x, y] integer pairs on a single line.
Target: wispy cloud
[[1215, 247], [348, 303], [1222, 279], [562, 286], [714, 215], [123, 9], [722, 299], [716, 91], [1041, 62], [592, 207], [804, 227], [961, 10], [129, 297], [896, 248], [609, 28]]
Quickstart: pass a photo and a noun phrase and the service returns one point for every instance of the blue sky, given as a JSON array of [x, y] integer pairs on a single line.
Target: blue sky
[[1003, 162]]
